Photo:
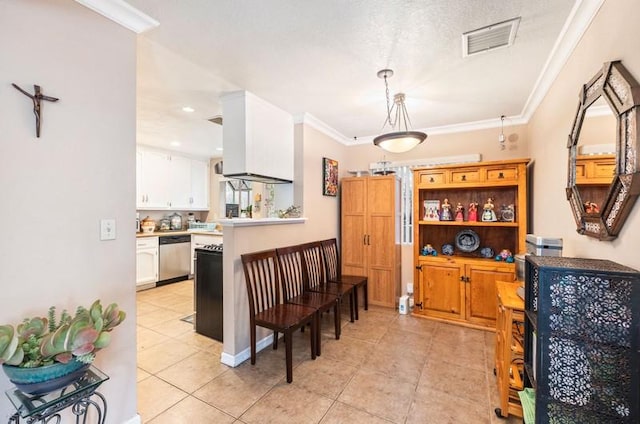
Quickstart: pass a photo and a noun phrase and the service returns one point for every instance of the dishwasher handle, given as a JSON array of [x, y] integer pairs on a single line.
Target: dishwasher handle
[[174, 239]]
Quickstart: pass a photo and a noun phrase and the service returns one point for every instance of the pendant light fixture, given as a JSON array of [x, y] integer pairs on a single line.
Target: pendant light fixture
[[400, 139]]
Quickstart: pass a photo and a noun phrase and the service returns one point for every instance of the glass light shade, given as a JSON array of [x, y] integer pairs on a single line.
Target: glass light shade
[[400, 141]]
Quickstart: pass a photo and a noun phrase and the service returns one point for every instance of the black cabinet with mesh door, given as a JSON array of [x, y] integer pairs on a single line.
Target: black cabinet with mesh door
[[582, 347]]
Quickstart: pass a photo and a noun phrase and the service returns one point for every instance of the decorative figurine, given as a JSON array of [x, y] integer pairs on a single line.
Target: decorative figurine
[[473, 212], [429, 250], [507, 213], [486, 252], [447, 249], [505, 255], [459, 212], [488, 214], [590, 207], [445, 215]]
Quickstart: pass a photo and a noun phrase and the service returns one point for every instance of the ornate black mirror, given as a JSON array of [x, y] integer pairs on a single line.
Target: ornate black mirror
[[603, 187]]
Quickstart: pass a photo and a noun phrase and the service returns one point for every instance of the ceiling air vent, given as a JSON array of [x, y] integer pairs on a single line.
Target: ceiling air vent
[[216, 119], [490, 37]]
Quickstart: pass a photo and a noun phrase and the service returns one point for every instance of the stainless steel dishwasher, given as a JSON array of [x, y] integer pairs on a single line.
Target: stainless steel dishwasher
[[175, 258]]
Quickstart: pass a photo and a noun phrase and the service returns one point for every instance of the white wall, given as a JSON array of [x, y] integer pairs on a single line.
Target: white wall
[[612, 35], [56, 188]]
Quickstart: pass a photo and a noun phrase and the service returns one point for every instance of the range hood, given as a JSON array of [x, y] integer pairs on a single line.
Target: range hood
[[257, 138]]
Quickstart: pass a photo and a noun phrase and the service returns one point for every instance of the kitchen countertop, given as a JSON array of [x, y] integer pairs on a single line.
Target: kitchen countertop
[[179, 233]]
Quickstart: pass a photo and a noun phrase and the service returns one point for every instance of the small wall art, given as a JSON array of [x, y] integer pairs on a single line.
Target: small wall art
[[329, 177]]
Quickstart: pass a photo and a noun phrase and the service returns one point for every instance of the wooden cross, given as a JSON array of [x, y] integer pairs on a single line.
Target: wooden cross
[[36, 97]]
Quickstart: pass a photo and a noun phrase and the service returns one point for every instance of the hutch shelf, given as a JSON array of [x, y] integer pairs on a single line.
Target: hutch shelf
[[460, 286]]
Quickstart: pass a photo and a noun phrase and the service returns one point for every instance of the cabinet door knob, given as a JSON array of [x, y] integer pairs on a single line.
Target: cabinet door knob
[[431, 180], [464, 178], [419, 268], [500, 175]]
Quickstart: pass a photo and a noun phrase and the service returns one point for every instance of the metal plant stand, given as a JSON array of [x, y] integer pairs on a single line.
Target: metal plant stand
[[81, 396]]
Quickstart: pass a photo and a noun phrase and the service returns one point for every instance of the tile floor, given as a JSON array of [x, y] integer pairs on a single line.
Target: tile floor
[[386, 368]]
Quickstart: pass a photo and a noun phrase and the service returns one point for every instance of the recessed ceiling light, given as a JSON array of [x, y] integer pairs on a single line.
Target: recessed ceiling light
[[188, 109], [219, 149], [175, 143]]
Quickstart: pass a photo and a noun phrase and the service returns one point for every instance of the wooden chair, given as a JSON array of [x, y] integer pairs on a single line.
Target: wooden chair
[[267, 310], [293, 282], [334, 272], [314, 267]]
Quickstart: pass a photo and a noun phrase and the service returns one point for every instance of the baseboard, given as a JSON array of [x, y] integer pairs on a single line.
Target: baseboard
[[235, 360], [135, 420]]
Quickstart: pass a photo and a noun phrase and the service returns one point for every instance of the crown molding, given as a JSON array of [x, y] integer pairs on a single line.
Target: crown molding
[[122, 13], [313, 122], [575, 26]]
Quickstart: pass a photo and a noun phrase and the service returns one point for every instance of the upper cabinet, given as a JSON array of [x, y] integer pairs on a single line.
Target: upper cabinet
[[169, 181]]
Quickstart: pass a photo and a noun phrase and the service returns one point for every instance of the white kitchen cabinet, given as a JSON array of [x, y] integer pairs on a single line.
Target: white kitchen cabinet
[[199, 240], [152, 167], [146, 262], [179, 182], [171, 182], [199, 185]]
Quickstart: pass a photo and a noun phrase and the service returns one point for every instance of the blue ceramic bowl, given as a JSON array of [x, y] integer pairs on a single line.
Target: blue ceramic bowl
[[42, 380]]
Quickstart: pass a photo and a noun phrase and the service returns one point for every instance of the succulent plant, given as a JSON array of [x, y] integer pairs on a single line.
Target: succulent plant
[[41, 341]]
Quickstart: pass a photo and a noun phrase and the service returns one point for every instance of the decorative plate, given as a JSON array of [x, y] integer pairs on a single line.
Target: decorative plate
[[467, 241]]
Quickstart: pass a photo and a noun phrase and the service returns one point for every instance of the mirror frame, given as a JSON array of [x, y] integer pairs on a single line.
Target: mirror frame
[[622, 94]]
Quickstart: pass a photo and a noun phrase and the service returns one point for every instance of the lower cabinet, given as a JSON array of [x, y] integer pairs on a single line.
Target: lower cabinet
[[460, 289], [146, 262]]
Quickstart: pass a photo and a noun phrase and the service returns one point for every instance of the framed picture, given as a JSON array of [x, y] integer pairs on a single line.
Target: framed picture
[[329, 177], [431, 210]]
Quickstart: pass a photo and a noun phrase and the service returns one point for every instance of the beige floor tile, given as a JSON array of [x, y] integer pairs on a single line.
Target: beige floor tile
[[193, 372], [433, 406], [341, 413], [143, 308], [288, 403], [348, 349], [186, 307], [141, 375], [158, 317], [232, 392], [455, 334], [201, 342], [463, 382], [156, 396], [370, 332], [379, 395], [395, 363], [323, 376], [385, 368], [163, 355], [173, 328], [414, 324], [192, 411], [406, 342], [147, 338], [458, 354]]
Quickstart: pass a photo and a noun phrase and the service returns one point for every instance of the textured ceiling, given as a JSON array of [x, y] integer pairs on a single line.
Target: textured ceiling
[[321, 58]]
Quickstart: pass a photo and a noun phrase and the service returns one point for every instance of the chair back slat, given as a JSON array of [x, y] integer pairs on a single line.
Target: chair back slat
[[331, 258], [313, 262], [262, 279], [291, 270]]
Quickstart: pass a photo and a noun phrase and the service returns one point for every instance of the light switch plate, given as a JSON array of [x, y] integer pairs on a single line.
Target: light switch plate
[[107, 229]]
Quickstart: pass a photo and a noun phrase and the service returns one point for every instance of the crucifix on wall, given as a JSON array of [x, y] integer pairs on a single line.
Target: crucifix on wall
[[36, 97]]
